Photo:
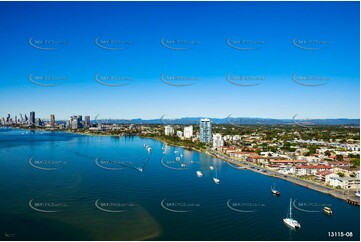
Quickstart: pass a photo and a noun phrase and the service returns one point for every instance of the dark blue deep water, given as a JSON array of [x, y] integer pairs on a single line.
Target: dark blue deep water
[[60, 186]]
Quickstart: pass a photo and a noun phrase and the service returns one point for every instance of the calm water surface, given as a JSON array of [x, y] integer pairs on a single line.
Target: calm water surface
[[60, 186]]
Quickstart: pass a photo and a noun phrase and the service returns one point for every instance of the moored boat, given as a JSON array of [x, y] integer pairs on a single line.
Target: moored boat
[[289, 221], [216, 180], [327, 210], [274, 191]]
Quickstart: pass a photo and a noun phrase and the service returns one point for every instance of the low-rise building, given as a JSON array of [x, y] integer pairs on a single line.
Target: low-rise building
[[321, 175], [281, 163], [345, 182], [310, 170]]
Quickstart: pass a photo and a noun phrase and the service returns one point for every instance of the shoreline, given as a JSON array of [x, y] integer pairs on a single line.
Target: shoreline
[[271, 173], [242, 164], [340, 194]]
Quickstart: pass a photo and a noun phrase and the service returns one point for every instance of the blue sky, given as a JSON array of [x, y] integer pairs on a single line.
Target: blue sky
[[334, 24]]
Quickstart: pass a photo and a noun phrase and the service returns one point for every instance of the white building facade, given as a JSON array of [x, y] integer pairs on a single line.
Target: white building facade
[[217, 141], [188, 132], [168, 130]]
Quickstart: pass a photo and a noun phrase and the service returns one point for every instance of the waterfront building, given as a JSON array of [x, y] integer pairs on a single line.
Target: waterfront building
[[52, 120], [32, 118], [168, 130], [188, 132], [344, 182], [180, 134], [311, 170], [74, 124], [322, 175], [217, 141], [38, 122], [87, 121], [205, 130]]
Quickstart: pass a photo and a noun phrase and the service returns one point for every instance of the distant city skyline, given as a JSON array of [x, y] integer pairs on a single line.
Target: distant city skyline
[[128, 60]]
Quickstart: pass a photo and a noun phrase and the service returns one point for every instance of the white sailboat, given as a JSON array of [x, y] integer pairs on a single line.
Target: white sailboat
[[215, 179], [290, 221], [274, 191]]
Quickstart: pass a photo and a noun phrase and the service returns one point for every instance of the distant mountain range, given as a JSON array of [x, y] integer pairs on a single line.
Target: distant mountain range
[[237, 121]]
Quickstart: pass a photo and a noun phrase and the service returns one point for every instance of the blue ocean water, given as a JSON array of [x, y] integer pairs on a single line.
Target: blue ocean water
[[63, 186]]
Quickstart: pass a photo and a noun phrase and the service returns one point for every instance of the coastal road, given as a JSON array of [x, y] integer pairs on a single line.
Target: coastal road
[[268, 172]]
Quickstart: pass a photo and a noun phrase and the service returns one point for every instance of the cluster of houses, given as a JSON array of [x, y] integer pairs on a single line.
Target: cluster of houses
[[338, 174]]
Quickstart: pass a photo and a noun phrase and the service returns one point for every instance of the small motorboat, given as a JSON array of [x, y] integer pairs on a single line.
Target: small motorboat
[[211, 168], [199, 174], [216, 180], [327, 210]]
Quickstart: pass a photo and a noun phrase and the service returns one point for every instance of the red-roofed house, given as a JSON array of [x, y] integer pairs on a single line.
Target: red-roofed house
[[339, 163], [310, 170], [279, 163], [321, 175], [242, 154], [259, 159]]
